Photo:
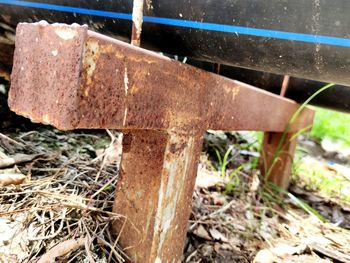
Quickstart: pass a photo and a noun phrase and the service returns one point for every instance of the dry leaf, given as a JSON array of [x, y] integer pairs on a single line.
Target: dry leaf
[[11, 178], [265, 256], [61, 249], [217, 235], [255, 183], [16, 159], [202, 233], [284, 250], [207, 179]]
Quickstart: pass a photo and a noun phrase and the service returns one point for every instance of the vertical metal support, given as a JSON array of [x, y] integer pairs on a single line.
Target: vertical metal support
[[284, 86], [154, 192], [280, 172], [137, 19]]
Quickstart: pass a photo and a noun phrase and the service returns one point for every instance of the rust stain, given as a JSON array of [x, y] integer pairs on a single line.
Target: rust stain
[[45, 75]]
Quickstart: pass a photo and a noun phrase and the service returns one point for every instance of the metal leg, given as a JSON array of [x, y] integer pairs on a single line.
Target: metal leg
[[280, 172], [154, 193]]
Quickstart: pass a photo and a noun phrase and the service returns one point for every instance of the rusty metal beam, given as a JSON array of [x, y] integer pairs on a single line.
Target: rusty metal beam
[[72, 78], [88, 80]]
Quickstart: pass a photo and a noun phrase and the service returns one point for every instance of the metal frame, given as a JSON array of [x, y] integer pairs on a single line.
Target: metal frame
[[73, 78]]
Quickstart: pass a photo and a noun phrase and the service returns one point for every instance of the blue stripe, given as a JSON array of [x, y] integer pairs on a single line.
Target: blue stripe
[[326, 40], [69, 9]]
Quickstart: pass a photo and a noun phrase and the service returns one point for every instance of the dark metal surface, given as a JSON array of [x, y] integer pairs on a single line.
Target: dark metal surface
[[282, 37], [73, 78]]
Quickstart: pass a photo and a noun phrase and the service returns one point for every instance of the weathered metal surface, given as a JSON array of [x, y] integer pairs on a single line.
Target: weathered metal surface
[[45, 73], [158, 172], [92, 81], [72, 78], [278, 148], [285, 84], [137, 19], [279, 171]]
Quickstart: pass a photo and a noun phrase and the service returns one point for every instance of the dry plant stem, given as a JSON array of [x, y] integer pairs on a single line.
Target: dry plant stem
[[117, 239], [65, 182], [119, 258], [104, 186], [113, 139], [54, 234], [88, 251], [88, 242], [223, 209], [212, 215], [3, 136]]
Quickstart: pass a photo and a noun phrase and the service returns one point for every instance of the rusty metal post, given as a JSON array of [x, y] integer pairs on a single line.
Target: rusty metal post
[[155, 190], [278, 171], [285, 85], [73, 78], [279, 174]]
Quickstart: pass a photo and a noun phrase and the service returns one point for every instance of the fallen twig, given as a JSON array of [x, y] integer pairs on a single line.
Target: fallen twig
[[3, 136], [17, 159]]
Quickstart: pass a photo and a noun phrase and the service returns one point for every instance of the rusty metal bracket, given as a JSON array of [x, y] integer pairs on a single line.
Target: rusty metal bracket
[[277, 168], [71, 78]]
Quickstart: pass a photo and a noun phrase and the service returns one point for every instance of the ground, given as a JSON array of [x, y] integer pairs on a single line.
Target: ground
[[57, 191]]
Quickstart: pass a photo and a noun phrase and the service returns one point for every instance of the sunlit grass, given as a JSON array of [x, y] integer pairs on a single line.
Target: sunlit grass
[[318, 177], [331, 124]]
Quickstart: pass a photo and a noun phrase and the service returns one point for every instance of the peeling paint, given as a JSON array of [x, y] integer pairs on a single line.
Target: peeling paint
[[125, 115], [126, 81], [137, 15], [91, 50], [46, 119], [235, 92], [66, 32], [172, 185]]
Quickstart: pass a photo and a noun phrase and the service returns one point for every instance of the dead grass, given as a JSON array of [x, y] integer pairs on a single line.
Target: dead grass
[[63, 209], [60, 201]]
